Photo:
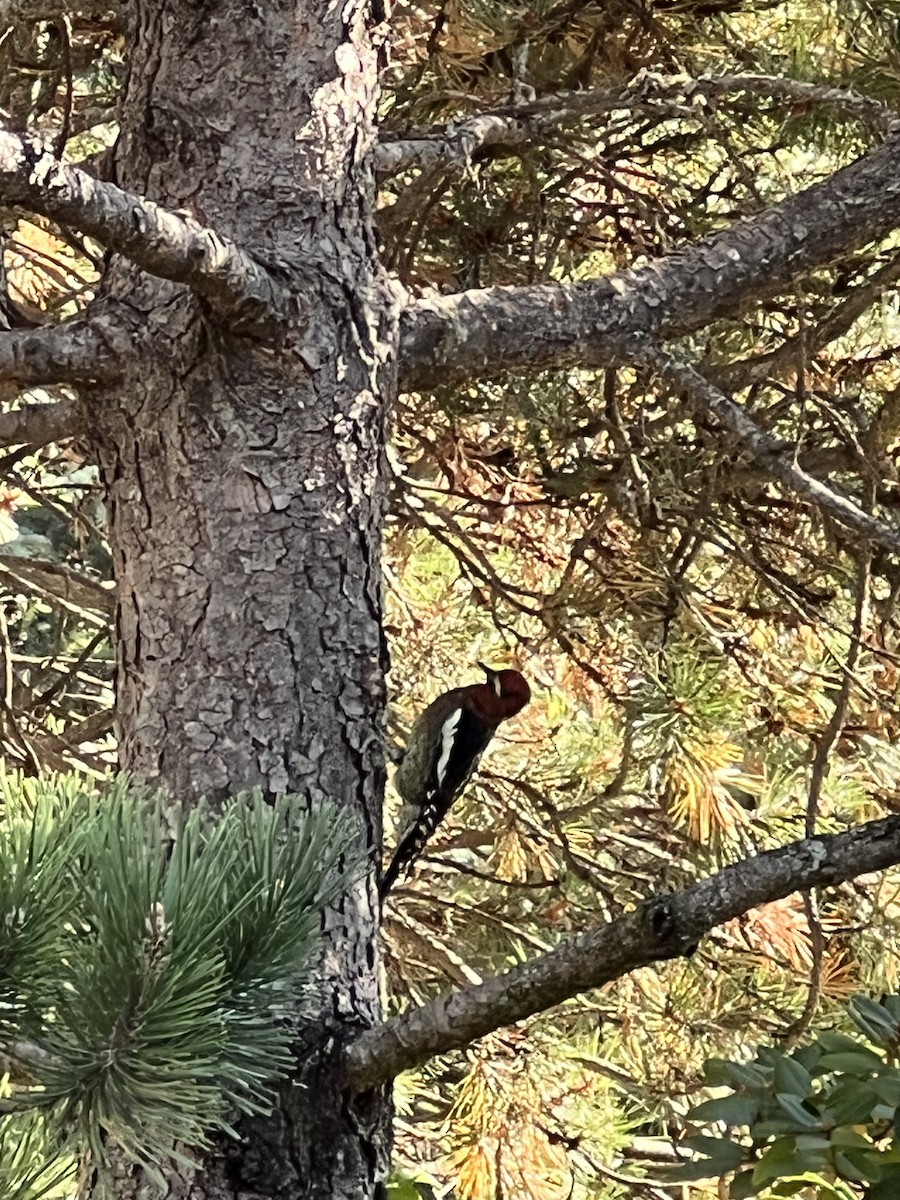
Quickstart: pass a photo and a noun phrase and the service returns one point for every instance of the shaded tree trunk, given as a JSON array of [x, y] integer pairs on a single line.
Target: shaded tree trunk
[[246, 494]]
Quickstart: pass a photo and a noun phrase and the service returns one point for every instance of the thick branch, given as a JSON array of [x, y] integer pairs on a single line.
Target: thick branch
[[39, 424], [773, 455], [663, 927], [80, 351], [173, 246], [492, 331]]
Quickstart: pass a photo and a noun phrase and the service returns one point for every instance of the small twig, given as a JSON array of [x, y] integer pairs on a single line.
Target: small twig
[[44, 698], [820, 766], [453, 145], [64, 24], [833, 729], [7, 661], [769, 451], [463, 869], [72, 590]]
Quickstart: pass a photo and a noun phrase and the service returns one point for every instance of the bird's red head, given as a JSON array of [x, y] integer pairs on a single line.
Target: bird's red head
[[505, 693]]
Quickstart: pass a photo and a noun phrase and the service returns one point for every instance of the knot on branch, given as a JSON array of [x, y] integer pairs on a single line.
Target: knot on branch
[[662, 922]]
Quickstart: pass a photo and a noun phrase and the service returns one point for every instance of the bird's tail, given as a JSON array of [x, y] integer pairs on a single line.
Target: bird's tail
[[408, 850]]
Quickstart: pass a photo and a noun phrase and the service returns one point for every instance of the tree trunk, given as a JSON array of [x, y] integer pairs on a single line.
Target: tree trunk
[[246, 495]]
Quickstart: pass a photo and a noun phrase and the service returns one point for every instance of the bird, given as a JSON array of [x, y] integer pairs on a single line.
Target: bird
[[445, 746]]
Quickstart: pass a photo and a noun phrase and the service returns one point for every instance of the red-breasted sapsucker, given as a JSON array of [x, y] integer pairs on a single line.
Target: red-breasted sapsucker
[[444, 748]]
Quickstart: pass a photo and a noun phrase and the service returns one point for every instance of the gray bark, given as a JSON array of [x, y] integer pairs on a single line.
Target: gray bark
[[246, 494], [494, 331], [664, 927], [76, 352], [38, 424], [173, 245]]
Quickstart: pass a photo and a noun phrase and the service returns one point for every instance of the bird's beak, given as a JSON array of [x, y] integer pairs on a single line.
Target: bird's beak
[[493, 676]]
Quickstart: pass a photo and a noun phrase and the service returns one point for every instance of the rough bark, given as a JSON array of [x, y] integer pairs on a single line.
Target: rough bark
[[246, 493], [664, 927], [238, 288], [38, 424], [245, 497], [493, 331], [77, 352]]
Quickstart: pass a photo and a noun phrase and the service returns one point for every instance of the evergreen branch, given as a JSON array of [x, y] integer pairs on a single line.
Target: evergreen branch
[[452, 145], [78, 351], [33, 1163], [679, 94], [820, 765], [39, 424], [22, 1056], [492, 331], [789, 355], [149, 957], [237, 287], [61, 585], [776, 458], [663, 927]]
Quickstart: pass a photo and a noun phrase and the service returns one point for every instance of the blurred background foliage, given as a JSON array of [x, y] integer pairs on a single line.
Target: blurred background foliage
[[714, 662]]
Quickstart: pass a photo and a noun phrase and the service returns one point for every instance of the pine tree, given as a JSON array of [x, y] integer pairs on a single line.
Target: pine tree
[[677, 513]]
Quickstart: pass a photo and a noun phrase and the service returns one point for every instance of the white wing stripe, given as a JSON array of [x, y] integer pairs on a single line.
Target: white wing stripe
[[448, 738]]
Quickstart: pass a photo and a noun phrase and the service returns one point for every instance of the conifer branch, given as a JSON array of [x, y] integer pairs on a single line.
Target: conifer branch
[[452, 145], [775, 457], [238, 288], [489, 332], [663, 927], [79, 351], [683, 95], [40, 424]]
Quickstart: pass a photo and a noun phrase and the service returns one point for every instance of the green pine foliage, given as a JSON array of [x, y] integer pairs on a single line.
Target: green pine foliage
[[148, 960], [33, 1163]]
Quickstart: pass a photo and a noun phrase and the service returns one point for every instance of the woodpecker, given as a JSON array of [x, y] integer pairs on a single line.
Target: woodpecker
[[444, 749]]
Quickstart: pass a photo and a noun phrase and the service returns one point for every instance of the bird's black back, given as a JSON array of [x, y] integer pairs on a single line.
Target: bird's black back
[[469, 743]]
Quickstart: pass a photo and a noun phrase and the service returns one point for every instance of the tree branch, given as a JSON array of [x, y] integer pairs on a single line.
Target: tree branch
[[79, 351], [774, 456], [790, 354], [240, 290], [40, 424], [93, 601], [492, 331], [663, 927], [684, 96], [452, 145]]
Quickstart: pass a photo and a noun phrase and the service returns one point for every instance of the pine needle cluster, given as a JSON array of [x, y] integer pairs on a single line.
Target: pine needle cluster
[[148, 963]]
